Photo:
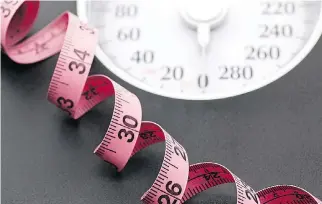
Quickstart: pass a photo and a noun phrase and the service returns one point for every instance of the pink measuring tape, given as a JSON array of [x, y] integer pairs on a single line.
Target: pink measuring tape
[[73, 91]]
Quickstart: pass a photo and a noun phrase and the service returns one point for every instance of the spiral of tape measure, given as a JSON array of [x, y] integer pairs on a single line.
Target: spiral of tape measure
[[73, 91]]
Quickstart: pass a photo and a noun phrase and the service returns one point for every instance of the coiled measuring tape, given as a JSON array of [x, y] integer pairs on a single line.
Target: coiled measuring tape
[[73, 91]]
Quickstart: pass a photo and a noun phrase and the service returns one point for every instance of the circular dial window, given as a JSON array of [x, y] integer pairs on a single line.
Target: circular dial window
[[202, 49]]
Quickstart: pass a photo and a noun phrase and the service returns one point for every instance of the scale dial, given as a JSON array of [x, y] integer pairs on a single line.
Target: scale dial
[[202, 49]]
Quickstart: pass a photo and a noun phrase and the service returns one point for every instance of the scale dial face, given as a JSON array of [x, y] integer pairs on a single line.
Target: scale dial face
[[202, 49]]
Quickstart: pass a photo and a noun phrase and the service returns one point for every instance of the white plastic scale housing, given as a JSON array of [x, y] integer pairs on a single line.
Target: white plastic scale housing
[[202, 49]]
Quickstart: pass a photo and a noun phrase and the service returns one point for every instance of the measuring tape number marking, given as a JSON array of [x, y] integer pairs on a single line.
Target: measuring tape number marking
[[73, 91]]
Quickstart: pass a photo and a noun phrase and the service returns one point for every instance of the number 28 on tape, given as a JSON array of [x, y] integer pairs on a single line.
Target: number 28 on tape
[[73, 91]]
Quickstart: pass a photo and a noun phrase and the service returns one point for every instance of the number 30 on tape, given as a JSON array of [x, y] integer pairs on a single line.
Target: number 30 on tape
[[73, 91]]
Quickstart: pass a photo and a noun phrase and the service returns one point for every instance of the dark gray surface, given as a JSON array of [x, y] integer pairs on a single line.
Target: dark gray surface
[[267, 137]]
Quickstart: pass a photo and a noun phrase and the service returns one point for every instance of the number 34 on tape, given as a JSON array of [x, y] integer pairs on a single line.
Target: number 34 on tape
[[73, 91]]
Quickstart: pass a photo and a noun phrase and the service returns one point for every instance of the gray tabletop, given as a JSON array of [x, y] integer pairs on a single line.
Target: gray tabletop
[[268, 137]]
